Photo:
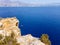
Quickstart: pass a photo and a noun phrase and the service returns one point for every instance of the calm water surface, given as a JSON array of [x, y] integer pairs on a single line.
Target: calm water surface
[[36, 20]]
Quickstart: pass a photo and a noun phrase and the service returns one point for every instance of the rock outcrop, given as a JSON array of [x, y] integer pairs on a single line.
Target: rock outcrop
[[7, 25], [10, 34]]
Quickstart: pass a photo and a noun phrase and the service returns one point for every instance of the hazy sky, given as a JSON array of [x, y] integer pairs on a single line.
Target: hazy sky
[[36, 1], [39, 1]]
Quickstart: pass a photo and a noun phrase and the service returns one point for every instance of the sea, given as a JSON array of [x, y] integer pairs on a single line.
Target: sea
[[36, 20]]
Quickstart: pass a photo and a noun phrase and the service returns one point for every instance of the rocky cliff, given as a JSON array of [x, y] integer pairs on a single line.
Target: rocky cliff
[[10, 34]]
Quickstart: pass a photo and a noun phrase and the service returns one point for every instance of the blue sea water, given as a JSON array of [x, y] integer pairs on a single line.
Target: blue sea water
[[36, 20]]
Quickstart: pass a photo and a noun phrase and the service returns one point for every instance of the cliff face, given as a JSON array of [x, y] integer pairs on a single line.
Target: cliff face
[[10, 34], [7, 25]]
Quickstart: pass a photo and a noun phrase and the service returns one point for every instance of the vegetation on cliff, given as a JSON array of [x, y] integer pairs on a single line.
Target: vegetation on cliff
[[45, 39]]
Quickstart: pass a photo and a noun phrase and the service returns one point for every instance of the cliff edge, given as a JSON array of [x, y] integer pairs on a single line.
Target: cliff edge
[[10, 34]]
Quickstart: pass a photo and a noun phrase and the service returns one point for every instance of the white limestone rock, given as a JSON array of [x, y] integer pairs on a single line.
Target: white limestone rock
[[9, 25], [29, 40]]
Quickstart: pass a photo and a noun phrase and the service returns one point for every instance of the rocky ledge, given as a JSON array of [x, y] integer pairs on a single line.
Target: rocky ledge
[[10, 34]]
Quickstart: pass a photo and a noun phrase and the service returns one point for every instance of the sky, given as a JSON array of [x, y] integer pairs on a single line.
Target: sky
[[39, 1], [36, 2]]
